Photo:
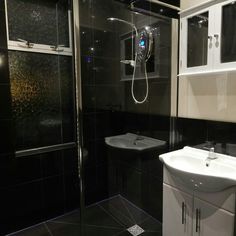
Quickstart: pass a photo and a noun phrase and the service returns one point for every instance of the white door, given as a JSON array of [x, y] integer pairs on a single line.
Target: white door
[[177, 212], [209, 220]]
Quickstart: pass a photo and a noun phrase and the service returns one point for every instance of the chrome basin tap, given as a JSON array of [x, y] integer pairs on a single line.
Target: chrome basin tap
[[211, 155], [138, 138]]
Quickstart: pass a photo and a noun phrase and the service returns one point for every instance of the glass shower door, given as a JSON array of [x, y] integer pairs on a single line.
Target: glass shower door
[[122, 175]]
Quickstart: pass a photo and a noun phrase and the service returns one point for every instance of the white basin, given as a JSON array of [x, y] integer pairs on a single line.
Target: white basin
[[188, 165], [129, 141]]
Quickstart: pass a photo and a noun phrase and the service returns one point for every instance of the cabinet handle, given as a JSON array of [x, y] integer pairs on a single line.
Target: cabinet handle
[[210, 38], [217, 40], [183, 213], [198, 219]]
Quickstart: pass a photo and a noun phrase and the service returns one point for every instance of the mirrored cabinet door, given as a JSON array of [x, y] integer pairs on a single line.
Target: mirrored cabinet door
[[197, 40], [228, 33]]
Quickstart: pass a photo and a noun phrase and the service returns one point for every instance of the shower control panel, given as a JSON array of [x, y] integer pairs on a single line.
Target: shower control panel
[[144, 47]]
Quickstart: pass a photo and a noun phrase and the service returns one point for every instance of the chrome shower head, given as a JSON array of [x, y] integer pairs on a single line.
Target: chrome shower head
[[124, 21]]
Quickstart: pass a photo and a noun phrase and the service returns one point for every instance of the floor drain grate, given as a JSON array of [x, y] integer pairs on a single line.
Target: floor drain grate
[[135, 230]]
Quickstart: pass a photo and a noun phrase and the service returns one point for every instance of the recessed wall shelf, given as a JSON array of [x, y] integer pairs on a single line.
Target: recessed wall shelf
[[222, 71]]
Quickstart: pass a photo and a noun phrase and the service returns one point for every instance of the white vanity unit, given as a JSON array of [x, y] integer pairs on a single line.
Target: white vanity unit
[[198, 193]]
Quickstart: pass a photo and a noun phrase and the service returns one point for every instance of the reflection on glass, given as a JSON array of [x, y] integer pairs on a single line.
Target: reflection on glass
[[129, 54], [228, 34], [197, 40], [41, 98]]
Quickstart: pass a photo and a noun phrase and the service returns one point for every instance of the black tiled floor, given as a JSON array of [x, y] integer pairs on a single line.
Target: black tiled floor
[[39, 230], [124, 211], [108, 218]]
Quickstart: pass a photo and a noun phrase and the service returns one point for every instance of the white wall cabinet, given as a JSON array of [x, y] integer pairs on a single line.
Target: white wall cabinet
[[208, 38], [191, 213]]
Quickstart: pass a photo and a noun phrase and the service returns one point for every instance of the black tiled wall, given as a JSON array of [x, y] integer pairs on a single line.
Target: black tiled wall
[[200, 133], [6, 144], [38, 187]]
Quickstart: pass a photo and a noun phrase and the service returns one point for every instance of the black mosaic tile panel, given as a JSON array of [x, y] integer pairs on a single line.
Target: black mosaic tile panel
[[35, 99], [42, 99], [41, 15]]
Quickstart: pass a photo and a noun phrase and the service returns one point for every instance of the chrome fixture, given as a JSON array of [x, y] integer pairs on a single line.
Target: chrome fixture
[[211, 155], [138, 138], [57, 48], [143, 49], [27, 44], [126, 22]]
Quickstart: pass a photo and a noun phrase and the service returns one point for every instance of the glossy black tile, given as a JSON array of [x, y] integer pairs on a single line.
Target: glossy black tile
[[151, 225], [52, 164], [70, 161], [221, 132], [75, 230], [101, 231], [153, 200], [72, 217], [99, 43], [134, 186], [111, 217], [95, 14], [126, 233], [190, 136], [4, 69], [89, 99], [21, 207], [27, 169], [95, 215], [15, 171], [39, 230], [5, 102], [72, 191], [6, 144], [3, 35], [156, 8], [59, 229], [53, 197], [124, 211], [101, 71]]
